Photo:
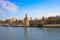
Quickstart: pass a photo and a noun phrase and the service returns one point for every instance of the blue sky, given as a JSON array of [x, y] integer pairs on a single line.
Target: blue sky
[[34, 8]]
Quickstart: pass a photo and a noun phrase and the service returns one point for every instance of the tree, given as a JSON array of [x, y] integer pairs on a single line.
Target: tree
[[58, 21], [51, 20], [1, 22], [41, 23]]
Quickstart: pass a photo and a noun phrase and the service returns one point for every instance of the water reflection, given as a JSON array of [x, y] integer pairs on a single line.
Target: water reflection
[[29, 33], [26, 33]]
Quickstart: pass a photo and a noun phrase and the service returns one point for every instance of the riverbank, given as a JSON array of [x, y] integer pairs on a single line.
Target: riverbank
[[44, 26], [52, 25]]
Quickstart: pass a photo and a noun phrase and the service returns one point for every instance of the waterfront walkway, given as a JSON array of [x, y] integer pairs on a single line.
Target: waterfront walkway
[[51, 25]]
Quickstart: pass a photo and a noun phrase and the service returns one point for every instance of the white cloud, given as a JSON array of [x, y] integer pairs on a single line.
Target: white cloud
[[36, 11], [39, 14], [8, 6], [1, 11], [53, 13]]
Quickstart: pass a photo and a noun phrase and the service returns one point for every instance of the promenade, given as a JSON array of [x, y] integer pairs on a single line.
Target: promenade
[[51, 25]]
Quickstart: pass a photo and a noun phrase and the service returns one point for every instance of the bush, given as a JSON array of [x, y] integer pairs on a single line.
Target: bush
[[40, 25]]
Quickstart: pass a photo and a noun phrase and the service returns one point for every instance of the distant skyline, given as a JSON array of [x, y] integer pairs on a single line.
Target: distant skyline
[[34, 8]]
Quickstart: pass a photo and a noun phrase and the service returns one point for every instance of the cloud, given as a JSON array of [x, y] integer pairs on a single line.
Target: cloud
[[52, 13], [48, 14], [8, 6], [1, 11], [36, 11], [39, 13]]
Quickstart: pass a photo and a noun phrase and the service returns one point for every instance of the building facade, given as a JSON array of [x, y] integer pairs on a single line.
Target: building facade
[[26, 20], [10, 21]]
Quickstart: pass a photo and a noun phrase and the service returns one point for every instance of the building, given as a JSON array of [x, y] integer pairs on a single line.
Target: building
[[26, 20], [13, 19], [30, 18], [10, 21]]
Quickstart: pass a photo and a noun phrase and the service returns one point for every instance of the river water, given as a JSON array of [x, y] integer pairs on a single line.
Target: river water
[[29, 33]]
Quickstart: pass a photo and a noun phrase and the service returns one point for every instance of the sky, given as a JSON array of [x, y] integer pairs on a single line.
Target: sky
[[33, 8]]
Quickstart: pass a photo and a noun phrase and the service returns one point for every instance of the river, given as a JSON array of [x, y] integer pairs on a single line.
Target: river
[[29, 33]]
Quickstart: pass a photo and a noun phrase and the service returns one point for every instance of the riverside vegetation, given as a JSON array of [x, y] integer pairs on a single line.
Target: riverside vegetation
[[36, 23]]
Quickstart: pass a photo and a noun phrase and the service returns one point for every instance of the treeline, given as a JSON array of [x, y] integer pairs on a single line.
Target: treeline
[[38, 22], [52, 20], [49, 20], [17, 22]]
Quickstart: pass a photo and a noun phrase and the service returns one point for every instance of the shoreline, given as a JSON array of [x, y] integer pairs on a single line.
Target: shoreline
[[44, 26], [52, 25]]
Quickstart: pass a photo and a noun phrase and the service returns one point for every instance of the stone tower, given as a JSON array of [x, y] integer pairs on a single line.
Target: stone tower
[[26, 20]]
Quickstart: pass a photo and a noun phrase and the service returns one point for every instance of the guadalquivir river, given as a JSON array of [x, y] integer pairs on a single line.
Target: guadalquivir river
[[30, 33]]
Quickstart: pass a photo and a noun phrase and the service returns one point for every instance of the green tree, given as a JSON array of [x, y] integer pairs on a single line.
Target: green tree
[[1, 22], [41, 23], [51, 20]]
